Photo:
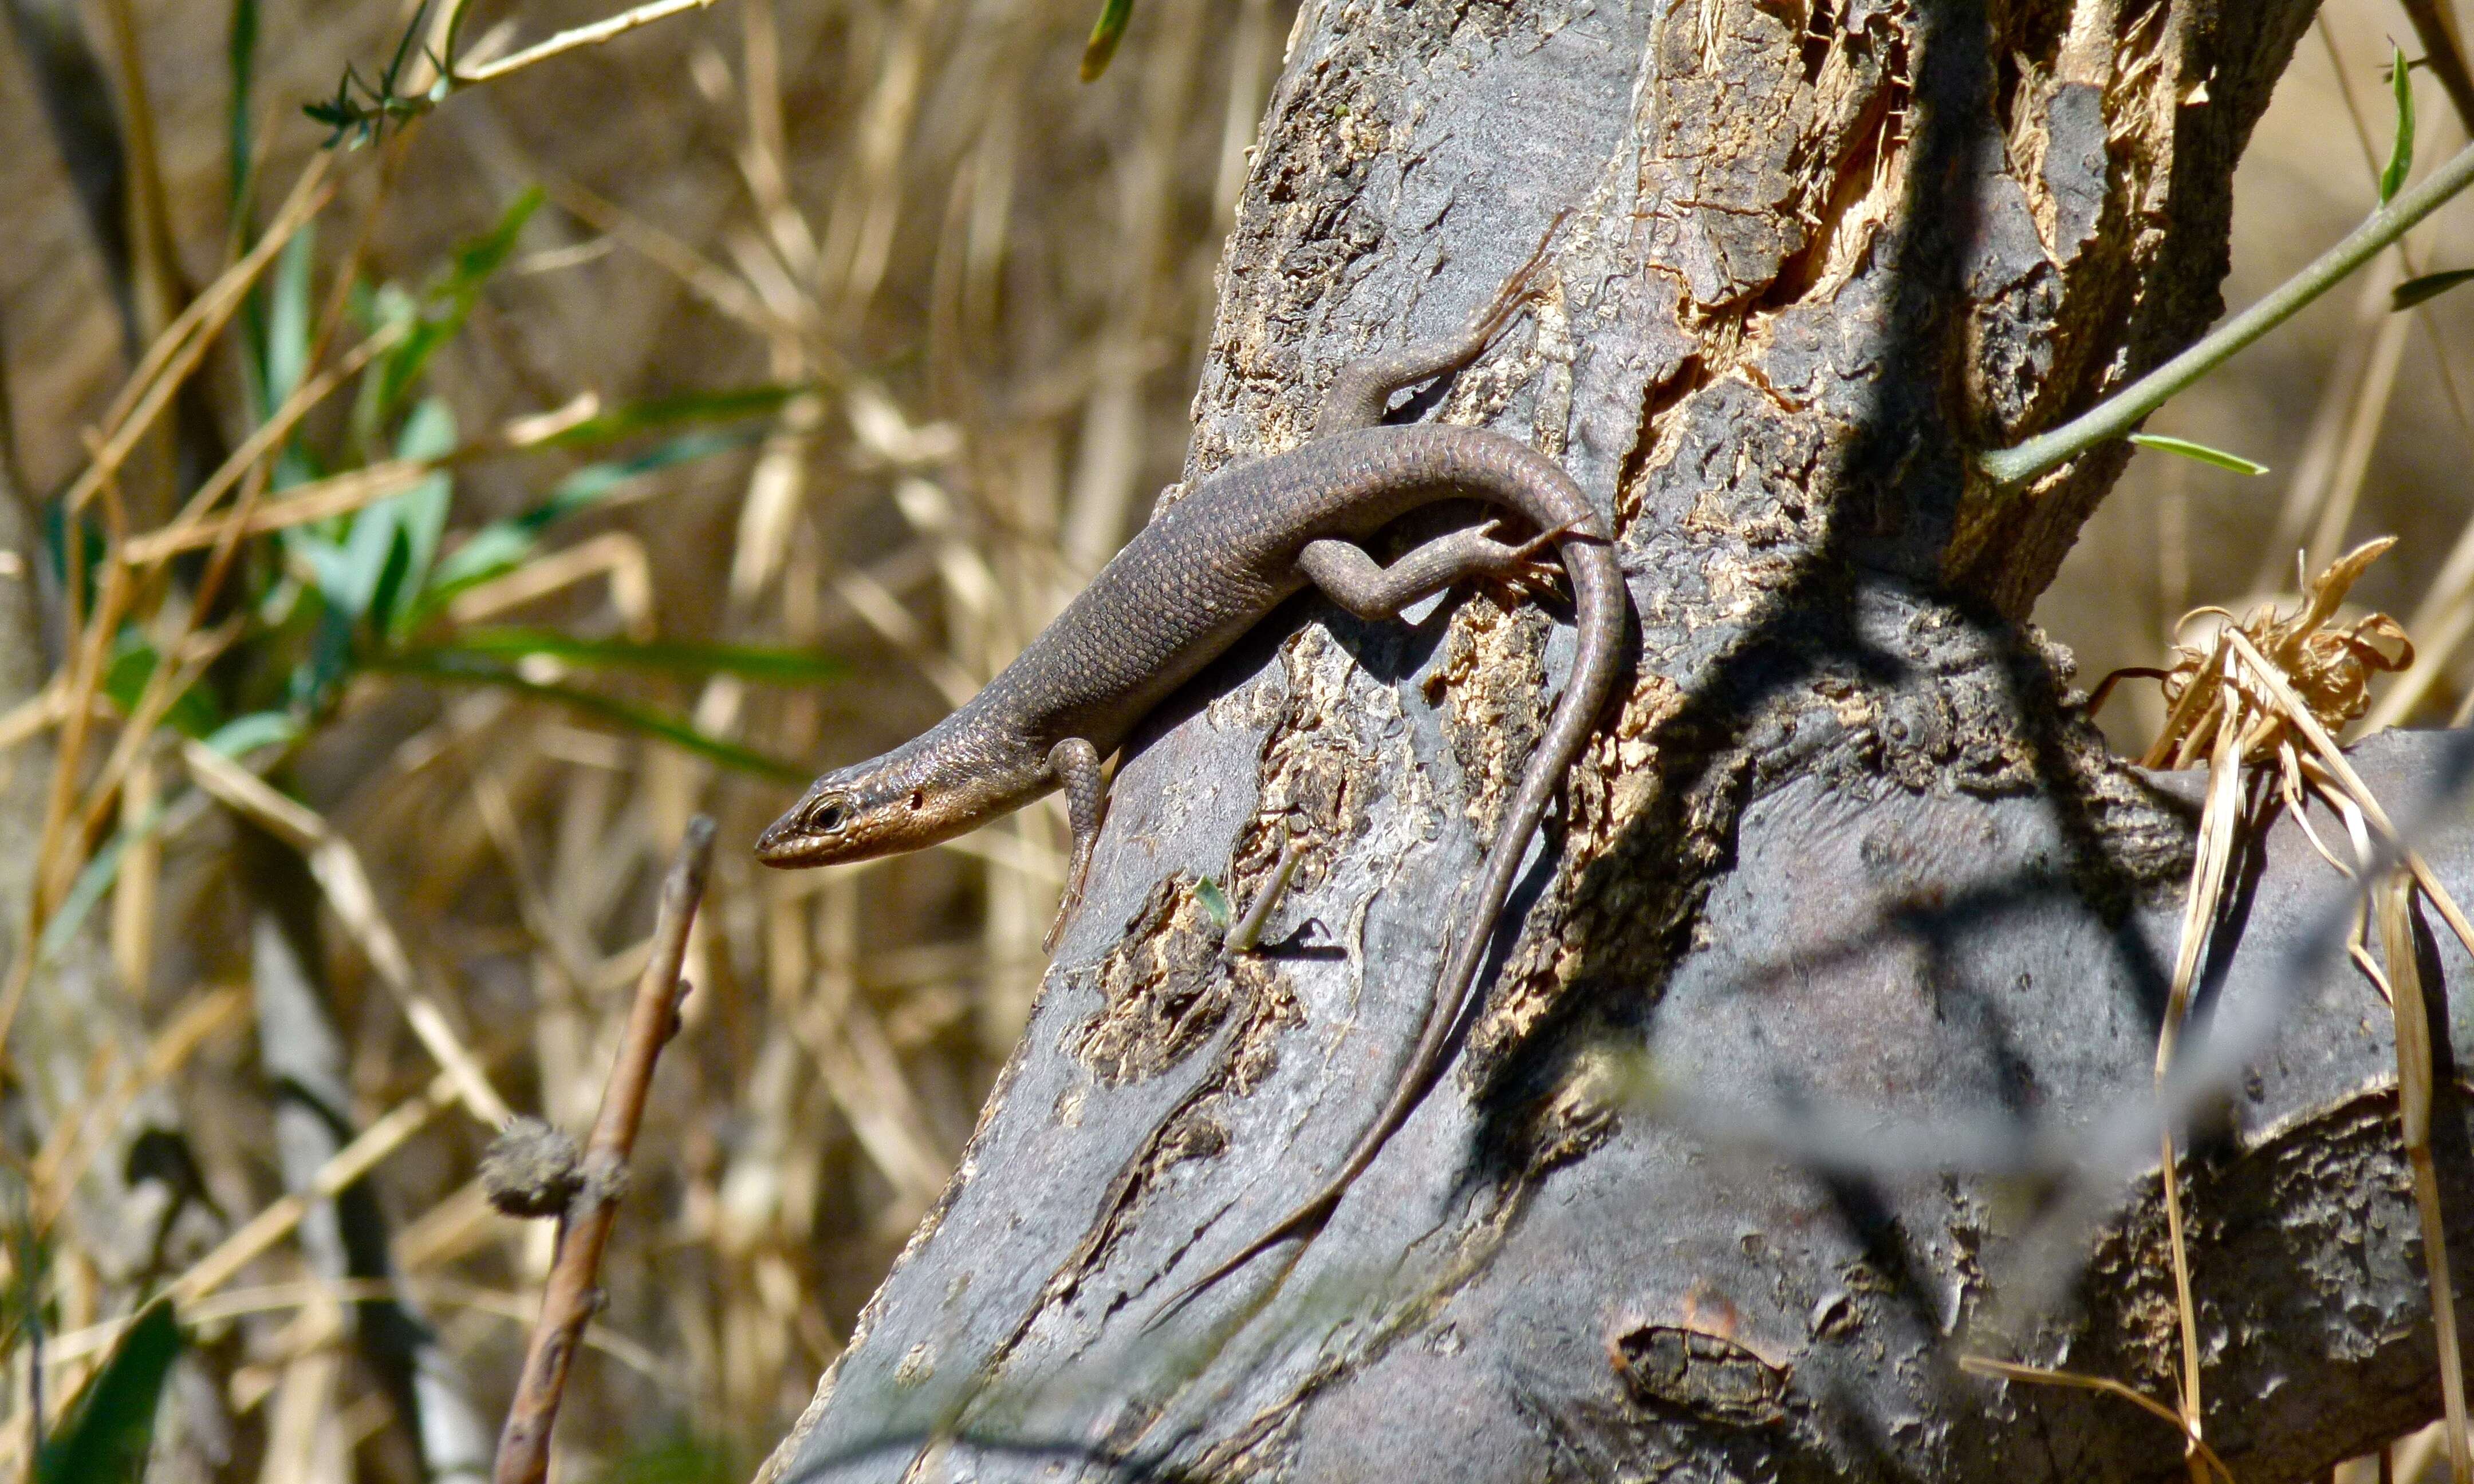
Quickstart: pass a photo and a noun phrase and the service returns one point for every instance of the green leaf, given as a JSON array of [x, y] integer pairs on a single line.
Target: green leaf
[[503, 545], [1105, 33], [680, 1458], [106, 1432], [233, 739], [30, 1265], [2401, 153], [2428, 287], [420, 512], [102, 870], [472, 670], [79, 541], [288, 315], [728, 405], [389, 547], [192, 713], [2202, 452], [1214, 902], [757, 662], [246, 734], [240, 57], [449, 303]]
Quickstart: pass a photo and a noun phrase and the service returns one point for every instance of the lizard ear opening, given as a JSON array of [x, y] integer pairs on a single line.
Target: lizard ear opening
[[918, 798]]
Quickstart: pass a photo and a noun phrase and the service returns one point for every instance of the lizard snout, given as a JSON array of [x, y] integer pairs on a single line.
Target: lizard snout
[[805, 835]]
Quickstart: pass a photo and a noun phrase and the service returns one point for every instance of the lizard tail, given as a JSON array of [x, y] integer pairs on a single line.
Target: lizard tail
[[1599, 608]]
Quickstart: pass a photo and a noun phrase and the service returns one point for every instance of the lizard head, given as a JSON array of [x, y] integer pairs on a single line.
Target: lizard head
[[932, 788], [852, 813]]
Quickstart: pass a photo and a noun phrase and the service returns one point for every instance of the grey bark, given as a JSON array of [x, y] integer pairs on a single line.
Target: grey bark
[[1811, 1039], [302, 1053], [134, 1212]]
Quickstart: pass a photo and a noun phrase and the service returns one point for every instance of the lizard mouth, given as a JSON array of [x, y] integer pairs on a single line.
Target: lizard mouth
[[805, 836]]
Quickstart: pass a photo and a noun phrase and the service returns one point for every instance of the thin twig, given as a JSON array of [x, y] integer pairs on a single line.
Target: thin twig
[[569, 1298], [595, 34], [2004, 1370], [2125, 410]]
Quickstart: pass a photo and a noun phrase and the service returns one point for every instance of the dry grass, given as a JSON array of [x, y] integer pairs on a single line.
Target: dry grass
[[990, 285], [994, 282]]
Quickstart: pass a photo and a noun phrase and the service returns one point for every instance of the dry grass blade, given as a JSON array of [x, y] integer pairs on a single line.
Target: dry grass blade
[[2218, 827], [593, 35], [2271, 687], [263, 440], [2414, 1052], [56, 1167], [2007, 1371], [276, 1222], [175, 352], [2330, 756], [337, 868], [2245, 699]]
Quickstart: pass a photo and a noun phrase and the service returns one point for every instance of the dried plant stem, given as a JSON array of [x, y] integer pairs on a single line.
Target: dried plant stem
[[2124, 411], [571, 1298], [580, 37], [2218, 822], [2004, 1370], [337, 870], [2415, 1077], [175, 352], [350, 1164]]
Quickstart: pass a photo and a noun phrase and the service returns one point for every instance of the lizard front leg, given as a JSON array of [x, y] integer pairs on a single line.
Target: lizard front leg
[[1075, 763], [1358, 583]]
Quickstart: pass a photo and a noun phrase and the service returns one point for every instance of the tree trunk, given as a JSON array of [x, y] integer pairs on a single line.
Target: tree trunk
[[1847, 910]]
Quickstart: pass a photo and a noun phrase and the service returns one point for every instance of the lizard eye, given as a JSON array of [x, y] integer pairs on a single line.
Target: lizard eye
[[825, 816]]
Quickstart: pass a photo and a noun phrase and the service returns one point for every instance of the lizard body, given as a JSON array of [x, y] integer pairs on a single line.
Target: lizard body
[[1188, 586]]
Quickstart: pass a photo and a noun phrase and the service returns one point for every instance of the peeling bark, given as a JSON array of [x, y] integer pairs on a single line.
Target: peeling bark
[[1845, 852]]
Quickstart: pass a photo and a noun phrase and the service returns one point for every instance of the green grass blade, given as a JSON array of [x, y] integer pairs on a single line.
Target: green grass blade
[[728, 405], [772, 665], [112, 1423], [1214, 902], [1105, 33], [450, 301], [241, 63], [288, 315], [2428, 287], [2401, 153], [2199, 452], [192, 713], [503, 545], [450, 669]]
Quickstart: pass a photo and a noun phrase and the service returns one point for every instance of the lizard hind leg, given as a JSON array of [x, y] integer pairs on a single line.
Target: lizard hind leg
[[1075, 764]]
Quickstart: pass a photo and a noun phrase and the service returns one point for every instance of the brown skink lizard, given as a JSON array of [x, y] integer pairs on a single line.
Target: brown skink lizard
[[1205, 570]]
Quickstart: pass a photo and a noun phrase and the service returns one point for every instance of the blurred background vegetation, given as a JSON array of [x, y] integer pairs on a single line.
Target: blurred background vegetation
[[633, 437]]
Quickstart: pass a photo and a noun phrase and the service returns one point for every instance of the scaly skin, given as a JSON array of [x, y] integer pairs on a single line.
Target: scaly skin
[[1205, 570]]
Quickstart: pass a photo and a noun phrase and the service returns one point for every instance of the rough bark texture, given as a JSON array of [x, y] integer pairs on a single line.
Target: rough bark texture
[[1844, 849]]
